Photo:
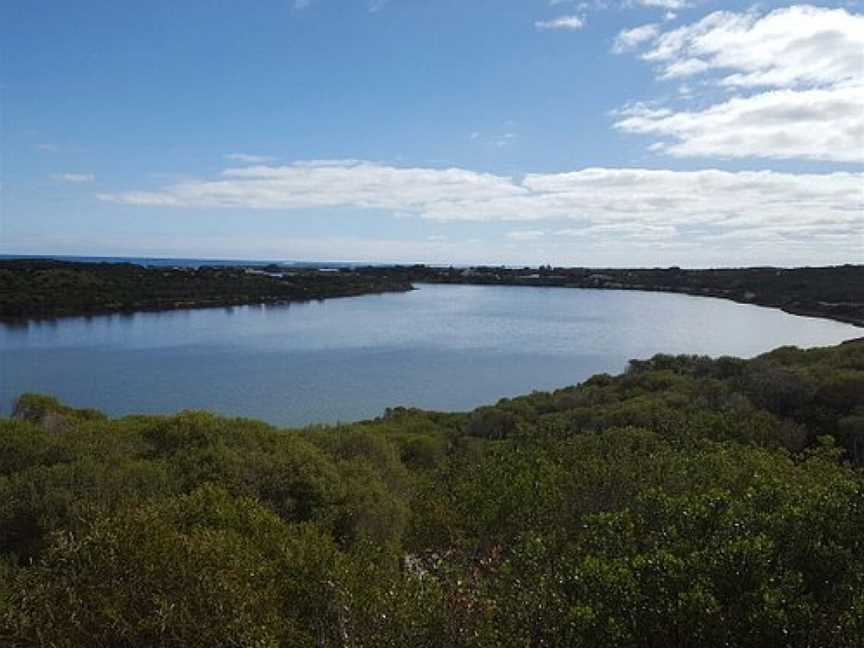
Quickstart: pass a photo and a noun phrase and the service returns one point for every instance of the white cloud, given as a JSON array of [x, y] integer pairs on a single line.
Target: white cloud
[[329, 184], [619, 231], [630, 39], [665, 4], [595, 249], [810, 124], [684, 68], [639, 206], [793, 81], [798, 46], [573, 23], [73, 177], [245, 157]]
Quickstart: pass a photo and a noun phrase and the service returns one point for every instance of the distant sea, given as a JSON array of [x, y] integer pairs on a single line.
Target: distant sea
[[182, 263], [198, 263]]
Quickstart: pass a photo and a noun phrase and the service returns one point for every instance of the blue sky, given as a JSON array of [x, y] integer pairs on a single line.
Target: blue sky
[[643, 132]]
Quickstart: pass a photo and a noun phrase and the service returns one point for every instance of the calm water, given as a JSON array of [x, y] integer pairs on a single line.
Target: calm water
[[439, 347]]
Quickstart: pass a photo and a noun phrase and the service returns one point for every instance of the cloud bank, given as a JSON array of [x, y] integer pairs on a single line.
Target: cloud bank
[[636, 204], [793, 81]]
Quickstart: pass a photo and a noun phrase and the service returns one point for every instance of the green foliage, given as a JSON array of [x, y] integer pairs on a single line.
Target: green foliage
[[199, 570], [688, 502], [50, 413], [41, 288]]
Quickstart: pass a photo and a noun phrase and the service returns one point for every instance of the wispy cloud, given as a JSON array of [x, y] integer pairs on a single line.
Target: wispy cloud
[[498, 140], [526, 235], [629, 39], [627, 231], [374, 6], [245, 157], [664, 4], [377, 5], [503, 140], [73, 177], [573, 23]]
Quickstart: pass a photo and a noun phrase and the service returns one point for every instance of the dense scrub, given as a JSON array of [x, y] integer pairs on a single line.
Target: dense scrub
[[688, 502], [35, 288]]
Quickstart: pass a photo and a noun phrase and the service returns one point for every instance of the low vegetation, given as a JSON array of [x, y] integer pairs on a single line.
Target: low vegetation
[[35, 288], [687, 502]]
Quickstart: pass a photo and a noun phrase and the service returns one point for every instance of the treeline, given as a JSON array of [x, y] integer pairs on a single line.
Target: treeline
[[34, 288], [687, 502], [836, 292]]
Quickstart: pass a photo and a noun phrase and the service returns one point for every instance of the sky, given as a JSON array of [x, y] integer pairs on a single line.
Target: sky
[[607, 133]]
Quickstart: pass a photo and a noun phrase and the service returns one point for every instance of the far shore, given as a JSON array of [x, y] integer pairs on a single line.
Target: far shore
[[40, 289]]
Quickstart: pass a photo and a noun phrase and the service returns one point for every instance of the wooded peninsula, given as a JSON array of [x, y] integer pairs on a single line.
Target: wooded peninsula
[[687, 502], [37, 288]]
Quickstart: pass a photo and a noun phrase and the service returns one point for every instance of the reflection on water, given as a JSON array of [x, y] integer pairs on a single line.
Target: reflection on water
[[442, 347]]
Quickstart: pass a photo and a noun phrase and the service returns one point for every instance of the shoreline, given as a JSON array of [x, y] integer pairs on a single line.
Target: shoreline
[[280, 301], [182, 306], [831, 292], [39, 290], [786, 308]]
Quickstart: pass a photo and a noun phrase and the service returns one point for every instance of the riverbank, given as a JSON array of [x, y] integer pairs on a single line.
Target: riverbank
[[45, 289], [42, 288], [831, 292]]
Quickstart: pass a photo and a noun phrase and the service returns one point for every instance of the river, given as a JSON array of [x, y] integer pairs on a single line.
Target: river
[[446, 347]]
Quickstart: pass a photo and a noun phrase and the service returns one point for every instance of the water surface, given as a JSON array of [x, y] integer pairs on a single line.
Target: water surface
[[438, 347]]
